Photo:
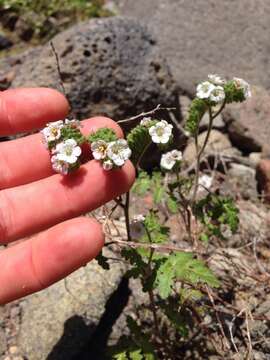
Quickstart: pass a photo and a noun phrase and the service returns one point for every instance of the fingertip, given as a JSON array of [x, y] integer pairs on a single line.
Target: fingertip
[[27, 109], [66, 247], [95, 123]]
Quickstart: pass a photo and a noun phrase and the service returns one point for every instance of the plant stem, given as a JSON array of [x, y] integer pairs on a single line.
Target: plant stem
[[199, 153], [126, 212]]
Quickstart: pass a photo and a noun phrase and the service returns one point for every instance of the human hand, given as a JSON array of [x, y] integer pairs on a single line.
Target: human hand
[[33, 198]]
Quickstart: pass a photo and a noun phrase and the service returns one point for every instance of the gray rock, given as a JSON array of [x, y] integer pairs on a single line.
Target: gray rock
[[3, 343], [249, 123], [61, 319], [5, 43], [240, 180], [253, 224], [255, 158], [109, 66], [209, 36]]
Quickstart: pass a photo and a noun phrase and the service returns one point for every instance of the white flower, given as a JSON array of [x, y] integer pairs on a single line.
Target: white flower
[[169, 159], [205, 181], [52, 131], [107, 165], [216, 79], [146, 121], [118, 151], [243, 85], [68, 151], [138, 217], [217, 94], [137, 229], [161, 132], [99, 149], [59, 166], [204, 89]]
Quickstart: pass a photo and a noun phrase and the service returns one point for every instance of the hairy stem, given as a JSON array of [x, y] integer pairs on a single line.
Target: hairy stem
[[126, 212]]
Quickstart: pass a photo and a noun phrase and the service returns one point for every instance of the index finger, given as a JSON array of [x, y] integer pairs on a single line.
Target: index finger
[[23, 110]]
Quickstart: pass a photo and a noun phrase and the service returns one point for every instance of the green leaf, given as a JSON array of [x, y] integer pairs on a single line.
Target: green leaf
[[157, 187], [196, 111], [121, 356], [164, 279], [158, 232], [182, 266], [172, 205], [142, 183], [214, 211], [138, 140], [233, 93], [136, 355]]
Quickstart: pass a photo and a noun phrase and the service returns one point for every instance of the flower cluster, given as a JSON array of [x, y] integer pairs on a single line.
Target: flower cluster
[[170, 159], [212, 89], [215, 89], [112, 154], [63, 139]]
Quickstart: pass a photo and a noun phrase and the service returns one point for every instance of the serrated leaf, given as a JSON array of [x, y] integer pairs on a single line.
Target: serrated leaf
[[164, 279], [182, 266], [136, 355], [158, 232], [121, 356]]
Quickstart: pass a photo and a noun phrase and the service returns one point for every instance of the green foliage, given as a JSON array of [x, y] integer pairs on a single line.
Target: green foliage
[[142, 183], [105, 134], [214, 211], [196, 111], [44, 15], [138, 140], [182, 266], [233, 94], [71, 132], [145, 183], [157, 232]]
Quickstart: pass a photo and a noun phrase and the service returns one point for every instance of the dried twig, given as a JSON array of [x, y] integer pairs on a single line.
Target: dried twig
[[157, 108]]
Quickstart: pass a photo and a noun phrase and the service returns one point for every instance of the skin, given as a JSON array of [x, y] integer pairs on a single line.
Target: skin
[[44, 207]]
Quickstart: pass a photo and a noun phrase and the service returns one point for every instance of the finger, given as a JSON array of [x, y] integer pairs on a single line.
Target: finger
[[33, 207], [48, 257], [26, 160], [23, 110]]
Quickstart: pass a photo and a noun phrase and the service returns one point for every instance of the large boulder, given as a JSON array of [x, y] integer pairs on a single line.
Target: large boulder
[[206, 36], [109, 66], [248, 123], [56, 323]]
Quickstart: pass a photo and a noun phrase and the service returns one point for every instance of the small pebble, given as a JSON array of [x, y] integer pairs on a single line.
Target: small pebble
[[13, 350]]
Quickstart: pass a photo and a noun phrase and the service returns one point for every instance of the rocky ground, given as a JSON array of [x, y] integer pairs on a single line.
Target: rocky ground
[[120, 67]]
